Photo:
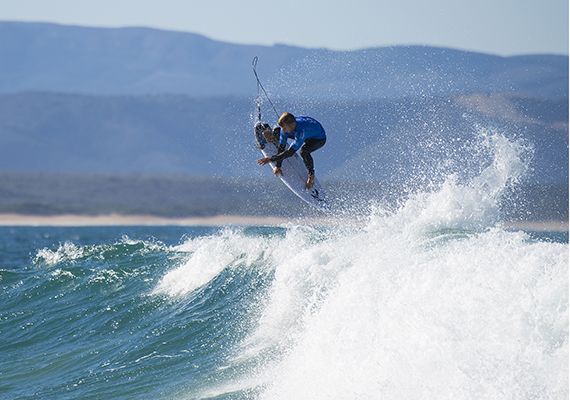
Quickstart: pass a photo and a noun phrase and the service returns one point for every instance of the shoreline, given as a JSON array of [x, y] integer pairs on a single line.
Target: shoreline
[[77, 220], [71, 220]]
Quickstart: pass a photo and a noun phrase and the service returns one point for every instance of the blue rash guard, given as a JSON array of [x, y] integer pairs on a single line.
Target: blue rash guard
[[306, 128]]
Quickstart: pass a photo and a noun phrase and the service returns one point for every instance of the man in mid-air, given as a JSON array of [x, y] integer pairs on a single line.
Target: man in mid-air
[[307, 134]]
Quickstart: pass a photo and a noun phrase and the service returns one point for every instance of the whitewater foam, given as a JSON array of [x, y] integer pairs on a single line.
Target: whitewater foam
[[432, 300], [482, 317], [70, 252], [66, 251], [483, 314], [209, 256]]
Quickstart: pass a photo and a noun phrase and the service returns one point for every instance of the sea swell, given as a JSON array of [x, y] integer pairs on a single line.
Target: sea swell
[[432, 298]]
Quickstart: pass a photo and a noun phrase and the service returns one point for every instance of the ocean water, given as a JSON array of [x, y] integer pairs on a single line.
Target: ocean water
[[432, 299]]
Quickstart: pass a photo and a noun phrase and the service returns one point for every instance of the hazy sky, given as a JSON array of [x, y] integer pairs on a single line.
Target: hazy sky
[[503, 27]]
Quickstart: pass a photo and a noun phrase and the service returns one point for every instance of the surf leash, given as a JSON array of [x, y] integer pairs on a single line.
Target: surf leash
[[260, 86]]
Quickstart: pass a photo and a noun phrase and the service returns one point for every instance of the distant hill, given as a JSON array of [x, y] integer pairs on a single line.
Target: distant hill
[[385, 140], [125, 61], [182, 196], [97, 103]]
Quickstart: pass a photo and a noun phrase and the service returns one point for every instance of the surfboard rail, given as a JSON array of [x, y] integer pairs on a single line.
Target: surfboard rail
[[295, 176]]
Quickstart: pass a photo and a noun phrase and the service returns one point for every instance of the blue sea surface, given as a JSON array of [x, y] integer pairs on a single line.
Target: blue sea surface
[[180, 312], [78, 317]]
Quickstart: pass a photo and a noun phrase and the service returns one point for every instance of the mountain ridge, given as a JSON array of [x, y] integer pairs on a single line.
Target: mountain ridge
[[140, 60], [178, 134]]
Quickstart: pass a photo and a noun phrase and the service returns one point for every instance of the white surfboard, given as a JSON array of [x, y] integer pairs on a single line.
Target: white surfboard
[[295, 176]]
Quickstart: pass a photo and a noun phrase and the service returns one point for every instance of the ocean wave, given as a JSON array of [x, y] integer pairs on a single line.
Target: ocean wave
[[211, 255], [432, 298], [71, 252]]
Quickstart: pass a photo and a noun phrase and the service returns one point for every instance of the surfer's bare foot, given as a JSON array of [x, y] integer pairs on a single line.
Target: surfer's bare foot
[[310, 181], [277, 171]]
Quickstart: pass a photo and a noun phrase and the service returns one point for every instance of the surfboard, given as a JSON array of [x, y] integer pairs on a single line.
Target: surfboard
[[295, 176]]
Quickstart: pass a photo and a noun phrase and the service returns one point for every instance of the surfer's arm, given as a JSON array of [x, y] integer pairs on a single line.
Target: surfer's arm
[[282, 136], [280, 150], [282, 144], [279, 157]]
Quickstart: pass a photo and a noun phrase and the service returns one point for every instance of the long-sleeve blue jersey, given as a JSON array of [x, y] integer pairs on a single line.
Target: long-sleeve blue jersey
[[307, 128]]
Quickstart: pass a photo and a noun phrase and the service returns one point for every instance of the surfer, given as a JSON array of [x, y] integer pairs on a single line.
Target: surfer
[[307, 134]]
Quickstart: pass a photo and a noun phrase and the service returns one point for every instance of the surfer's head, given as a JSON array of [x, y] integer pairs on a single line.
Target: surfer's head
[[287, 122]]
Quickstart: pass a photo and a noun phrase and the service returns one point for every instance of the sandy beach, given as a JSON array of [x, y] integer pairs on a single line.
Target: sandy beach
[[217, 220], [126, 220]]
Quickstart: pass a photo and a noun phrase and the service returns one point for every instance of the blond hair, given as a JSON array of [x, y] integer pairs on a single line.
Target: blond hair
[[286, 119]]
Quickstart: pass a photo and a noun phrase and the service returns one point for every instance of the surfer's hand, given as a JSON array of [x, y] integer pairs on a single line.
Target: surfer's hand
[[277, 171], [264, 160]]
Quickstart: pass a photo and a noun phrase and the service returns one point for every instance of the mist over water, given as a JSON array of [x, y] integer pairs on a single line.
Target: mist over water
[[425, 297], [433, 300], [482, 316]]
